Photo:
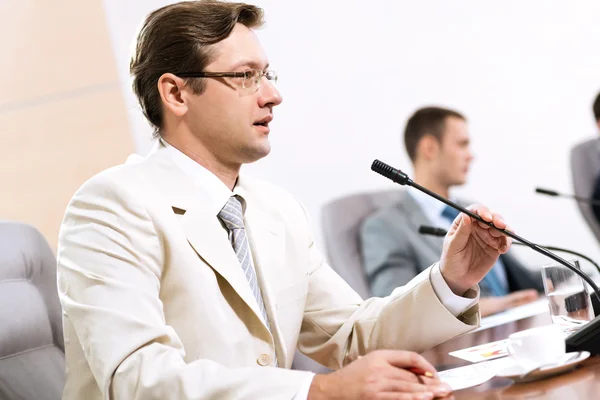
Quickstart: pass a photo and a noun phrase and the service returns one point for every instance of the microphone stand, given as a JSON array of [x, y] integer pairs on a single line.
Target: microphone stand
[[554, 193], [401, 178]]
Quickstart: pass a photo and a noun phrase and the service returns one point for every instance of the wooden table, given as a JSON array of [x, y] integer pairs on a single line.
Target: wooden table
[[581, 383]]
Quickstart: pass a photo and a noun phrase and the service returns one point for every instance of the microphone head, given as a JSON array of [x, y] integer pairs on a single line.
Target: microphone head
[[547, 192], [390, 172], [430, 230]]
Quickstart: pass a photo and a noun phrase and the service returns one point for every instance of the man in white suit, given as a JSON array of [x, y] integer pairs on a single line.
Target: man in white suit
[[181, 278]]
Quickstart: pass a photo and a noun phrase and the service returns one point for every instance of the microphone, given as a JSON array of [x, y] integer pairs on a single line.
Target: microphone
[[579, 199], [431, 230], [587, 337], [403, 179]]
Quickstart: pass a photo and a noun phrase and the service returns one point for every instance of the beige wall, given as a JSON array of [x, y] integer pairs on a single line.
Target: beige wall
[[62, 115]]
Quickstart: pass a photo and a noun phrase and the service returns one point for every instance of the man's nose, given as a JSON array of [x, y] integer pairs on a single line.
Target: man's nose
[[269, 95]]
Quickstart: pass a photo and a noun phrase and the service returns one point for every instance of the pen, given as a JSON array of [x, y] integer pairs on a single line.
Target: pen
[[419, 371], [416, 371]]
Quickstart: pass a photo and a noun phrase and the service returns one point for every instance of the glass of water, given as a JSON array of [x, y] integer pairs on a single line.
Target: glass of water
[[568, 299]]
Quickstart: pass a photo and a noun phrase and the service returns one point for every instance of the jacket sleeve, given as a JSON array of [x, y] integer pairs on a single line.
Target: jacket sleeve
[[338, 325]]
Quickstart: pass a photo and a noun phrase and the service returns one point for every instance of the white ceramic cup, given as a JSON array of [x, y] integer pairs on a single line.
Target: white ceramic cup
[[537, 346]]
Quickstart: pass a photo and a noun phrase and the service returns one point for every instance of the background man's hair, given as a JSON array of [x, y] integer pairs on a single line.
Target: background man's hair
[[426, 121], [178, 38], [596, 108]]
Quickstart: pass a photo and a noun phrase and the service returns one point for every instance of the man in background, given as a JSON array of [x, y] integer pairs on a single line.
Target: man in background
[[394, 251]]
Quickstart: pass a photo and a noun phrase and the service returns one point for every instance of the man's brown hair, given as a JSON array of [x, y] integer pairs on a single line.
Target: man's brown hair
[[426, 121], [178, 38]]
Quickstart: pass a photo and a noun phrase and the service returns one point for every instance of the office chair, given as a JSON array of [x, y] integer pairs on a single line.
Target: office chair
[[341, 223], [32, 360], [585, 167]]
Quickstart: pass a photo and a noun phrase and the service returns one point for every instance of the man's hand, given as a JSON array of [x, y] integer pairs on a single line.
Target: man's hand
[[381, 374], [496, 304], [471, 249]]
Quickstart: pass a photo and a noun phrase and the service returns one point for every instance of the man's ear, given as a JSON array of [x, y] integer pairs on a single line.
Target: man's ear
[[429, 147], [598, 123], [170, 88]]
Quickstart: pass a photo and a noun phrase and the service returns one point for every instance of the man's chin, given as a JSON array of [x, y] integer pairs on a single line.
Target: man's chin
[[253, 154], [457, 182]]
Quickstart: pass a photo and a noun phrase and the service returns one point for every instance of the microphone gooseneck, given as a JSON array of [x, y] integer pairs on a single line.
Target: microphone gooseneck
[[554, 193], [431, 230], [400, 177]]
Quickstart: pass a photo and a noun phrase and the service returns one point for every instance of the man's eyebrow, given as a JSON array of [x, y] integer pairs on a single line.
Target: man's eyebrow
[[249, 64]]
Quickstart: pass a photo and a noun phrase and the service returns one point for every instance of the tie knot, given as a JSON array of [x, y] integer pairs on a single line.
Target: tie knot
[[450, 213], [232, 215]]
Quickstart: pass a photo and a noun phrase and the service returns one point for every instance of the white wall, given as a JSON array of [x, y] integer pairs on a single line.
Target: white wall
[[524, 73]]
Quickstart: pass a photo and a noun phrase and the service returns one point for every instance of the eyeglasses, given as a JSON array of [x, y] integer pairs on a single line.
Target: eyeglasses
[[251, 78]]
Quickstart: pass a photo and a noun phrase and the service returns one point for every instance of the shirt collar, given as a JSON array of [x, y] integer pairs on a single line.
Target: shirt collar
[[215, 192], [432, 207]]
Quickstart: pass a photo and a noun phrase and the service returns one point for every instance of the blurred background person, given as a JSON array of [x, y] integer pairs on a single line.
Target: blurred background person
[[596, 192], [585, 174], [393, 250]]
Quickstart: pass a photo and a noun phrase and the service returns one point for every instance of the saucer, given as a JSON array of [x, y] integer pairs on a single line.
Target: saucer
[[515, 371]]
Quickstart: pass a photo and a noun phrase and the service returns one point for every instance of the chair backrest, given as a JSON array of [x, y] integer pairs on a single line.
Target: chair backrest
[[341, 222], [585, 167], [31, 336]]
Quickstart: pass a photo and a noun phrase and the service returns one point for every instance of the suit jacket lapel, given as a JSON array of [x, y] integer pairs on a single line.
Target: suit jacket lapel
[[206, 235], [202, 229], [416, 218]]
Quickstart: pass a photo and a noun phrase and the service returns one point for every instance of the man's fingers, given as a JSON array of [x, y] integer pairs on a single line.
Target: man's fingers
[[401, 374], [498, 221], [487, 215], [523, 296], [403, 386], [407, 359], [518, 298], [433, 382], [487, 238], [491, 305], [439, 388], [482, 211], [405, 396], [505, 243], [480, 242]]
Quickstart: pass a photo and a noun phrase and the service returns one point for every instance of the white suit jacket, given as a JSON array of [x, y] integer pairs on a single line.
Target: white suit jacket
[[156, 305]]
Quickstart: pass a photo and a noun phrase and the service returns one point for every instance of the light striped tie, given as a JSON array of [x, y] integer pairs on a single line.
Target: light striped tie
[[233, 218]]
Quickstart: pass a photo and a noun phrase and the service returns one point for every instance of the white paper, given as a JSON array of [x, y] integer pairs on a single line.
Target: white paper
[[482, 352], [475, 374], [537, 307]]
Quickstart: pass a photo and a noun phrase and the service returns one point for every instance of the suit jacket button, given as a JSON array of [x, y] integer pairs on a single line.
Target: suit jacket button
[[264, 360]]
